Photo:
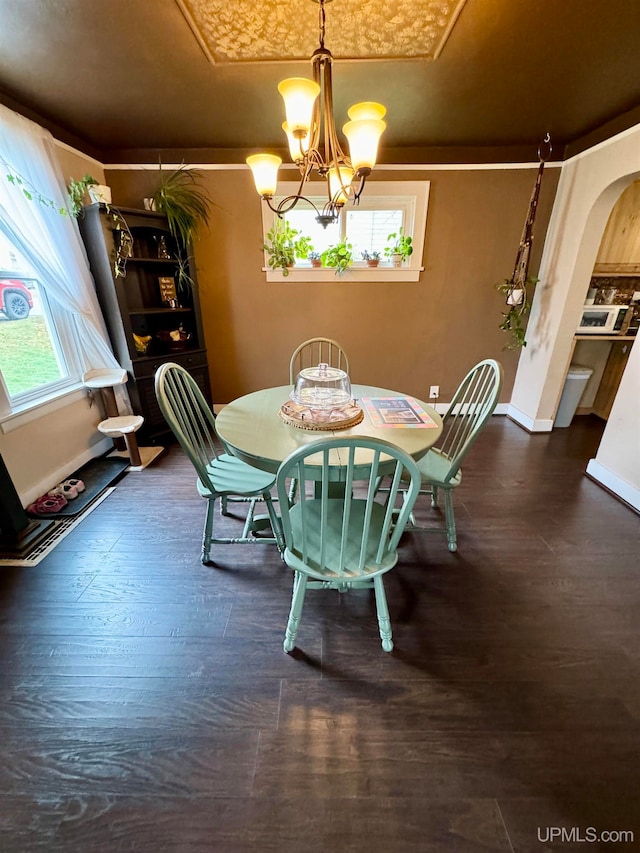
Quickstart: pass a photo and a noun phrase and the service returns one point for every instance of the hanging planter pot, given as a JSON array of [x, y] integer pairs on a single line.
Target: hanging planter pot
[[515, 297], [99, 193]]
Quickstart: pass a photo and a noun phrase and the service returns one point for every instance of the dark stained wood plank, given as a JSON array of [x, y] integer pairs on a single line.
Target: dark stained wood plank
[[146, 703]]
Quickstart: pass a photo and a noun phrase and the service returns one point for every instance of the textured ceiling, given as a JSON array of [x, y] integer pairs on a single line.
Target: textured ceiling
[[129, 80], [271, 30]]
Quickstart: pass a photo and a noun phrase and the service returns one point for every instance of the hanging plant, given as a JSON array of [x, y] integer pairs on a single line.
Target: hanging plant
[[515, 288], [518, 305]]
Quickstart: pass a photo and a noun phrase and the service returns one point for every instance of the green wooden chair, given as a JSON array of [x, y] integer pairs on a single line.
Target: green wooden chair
[[311, 353], [470, 409], [340, 534], [317, 351], [220, 475]]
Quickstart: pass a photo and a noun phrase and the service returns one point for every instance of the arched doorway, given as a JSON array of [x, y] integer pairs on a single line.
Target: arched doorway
[[589, 186]]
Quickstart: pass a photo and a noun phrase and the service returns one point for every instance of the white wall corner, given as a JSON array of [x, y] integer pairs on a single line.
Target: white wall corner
[[614, 483], [529, 423]]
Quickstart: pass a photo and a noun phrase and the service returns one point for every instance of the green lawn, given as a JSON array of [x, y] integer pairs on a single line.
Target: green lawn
[[27, 358]]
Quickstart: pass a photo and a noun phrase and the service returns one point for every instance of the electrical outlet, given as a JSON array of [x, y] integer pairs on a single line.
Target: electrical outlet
[[434, 392]]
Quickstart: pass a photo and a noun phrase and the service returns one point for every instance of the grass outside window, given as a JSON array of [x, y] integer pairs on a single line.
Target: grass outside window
[[27, 356]]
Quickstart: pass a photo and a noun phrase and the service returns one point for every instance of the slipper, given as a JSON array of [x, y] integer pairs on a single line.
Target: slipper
[[47, 504], [78, 484], [66, 490]]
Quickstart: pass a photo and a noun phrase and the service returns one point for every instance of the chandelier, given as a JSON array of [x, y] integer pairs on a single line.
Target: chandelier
[[313, 140]]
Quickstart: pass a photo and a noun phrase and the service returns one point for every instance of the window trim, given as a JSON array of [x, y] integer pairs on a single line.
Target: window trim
[[414, 195]]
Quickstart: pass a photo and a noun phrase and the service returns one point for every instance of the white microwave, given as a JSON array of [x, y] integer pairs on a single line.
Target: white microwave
[[602, 319]]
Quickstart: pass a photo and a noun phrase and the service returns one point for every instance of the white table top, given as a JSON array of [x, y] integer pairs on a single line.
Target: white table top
[[253, 430]]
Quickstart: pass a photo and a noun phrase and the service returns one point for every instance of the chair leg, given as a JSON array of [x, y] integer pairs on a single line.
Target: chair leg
[[297, 600], [384, 623], [434, 497], [223, 505], [276, 525], [208, 528], [451, 522]]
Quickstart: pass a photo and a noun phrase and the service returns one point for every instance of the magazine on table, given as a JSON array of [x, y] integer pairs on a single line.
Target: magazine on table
[[397, 412]]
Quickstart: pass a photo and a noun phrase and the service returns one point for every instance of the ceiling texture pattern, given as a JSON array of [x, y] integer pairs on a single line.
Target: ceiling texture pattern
[[271, 30], [127, 81]]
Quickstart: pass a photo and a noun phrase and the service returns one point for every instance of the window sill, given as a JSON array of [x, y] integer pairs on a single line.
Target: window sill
[[34, 411], [369, 274]]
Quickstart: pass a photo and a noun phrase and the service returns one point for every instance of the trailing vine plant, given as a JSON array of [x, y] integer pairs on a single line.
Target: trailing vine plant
[[515, 288], [518, 305], [30, 192]]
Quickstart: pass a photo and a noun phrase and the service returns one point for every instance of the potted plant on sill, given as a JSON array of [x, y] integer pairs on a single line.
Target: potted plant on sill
[[284, 244], [400, 247], [316, 260], [372, 258], [78, 191], [338, 257], [518, 305], [184, 202]]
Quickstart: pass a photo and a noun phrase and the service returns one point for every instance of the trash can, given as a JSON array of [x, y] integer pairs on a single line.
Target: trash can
[[576, 382]]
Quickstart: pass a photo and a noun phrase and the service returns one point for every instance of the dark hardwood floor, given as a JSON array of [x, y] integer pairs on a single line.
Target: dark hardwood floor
[[146, 703]]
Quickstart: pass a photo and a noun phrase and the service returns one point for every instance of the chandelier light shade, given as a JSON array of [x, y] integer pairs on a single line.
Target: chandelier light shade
[[339, 183], [299, 95], [313, 140], [265, 172], [297, 147]]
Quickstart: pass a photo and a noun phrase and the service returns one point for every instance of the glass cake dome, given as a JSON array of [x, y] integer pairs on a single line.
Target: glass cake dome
[[322, 387]]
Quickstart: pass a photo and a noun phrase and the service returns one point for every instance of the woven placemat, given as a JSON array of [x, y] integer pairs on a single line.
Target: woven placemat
[[305, 418]]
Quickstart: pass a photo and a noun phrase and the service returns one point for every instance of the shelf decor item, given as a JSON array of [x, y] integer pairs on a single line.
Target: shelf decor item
[[168, 294], [163, 252]]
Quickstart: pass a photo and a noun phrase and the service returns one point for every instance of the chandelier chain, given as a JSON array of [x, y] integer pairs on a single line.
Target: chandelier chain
[[321, 23]]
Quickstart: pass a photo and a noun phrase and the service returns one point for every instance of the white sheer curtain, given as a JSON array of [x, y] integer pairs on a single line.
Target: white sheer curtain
[[50, 241]]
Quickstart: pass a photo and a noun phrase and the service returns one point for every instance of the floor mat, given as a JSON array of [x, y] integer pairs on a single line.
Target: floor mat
[[96, 475]]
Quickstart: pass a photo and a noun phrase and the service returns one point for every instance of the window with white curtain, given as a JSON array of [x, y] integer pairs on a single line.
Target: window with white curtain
[[35, 357], [51, 328], [384, 207]]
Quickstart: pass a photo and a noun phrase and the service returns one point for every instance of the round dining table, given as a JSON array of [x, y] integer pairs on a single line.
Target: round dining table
[[252, 429]]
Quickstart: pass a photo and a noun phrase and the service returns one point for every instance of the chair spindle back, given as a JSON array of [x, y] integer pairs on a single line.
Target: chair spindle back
[[189, 416], [359, 531], [471, 406]]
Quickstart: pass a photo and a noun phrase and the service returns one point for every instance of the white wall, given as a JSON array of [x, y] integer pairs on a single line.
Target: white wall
[[589, 186], [617, 463]]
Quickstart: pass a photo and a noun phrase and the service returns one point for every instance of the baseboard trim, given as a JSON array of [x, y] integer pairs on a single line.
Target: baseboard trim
[[618, 487], [528, 423]]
